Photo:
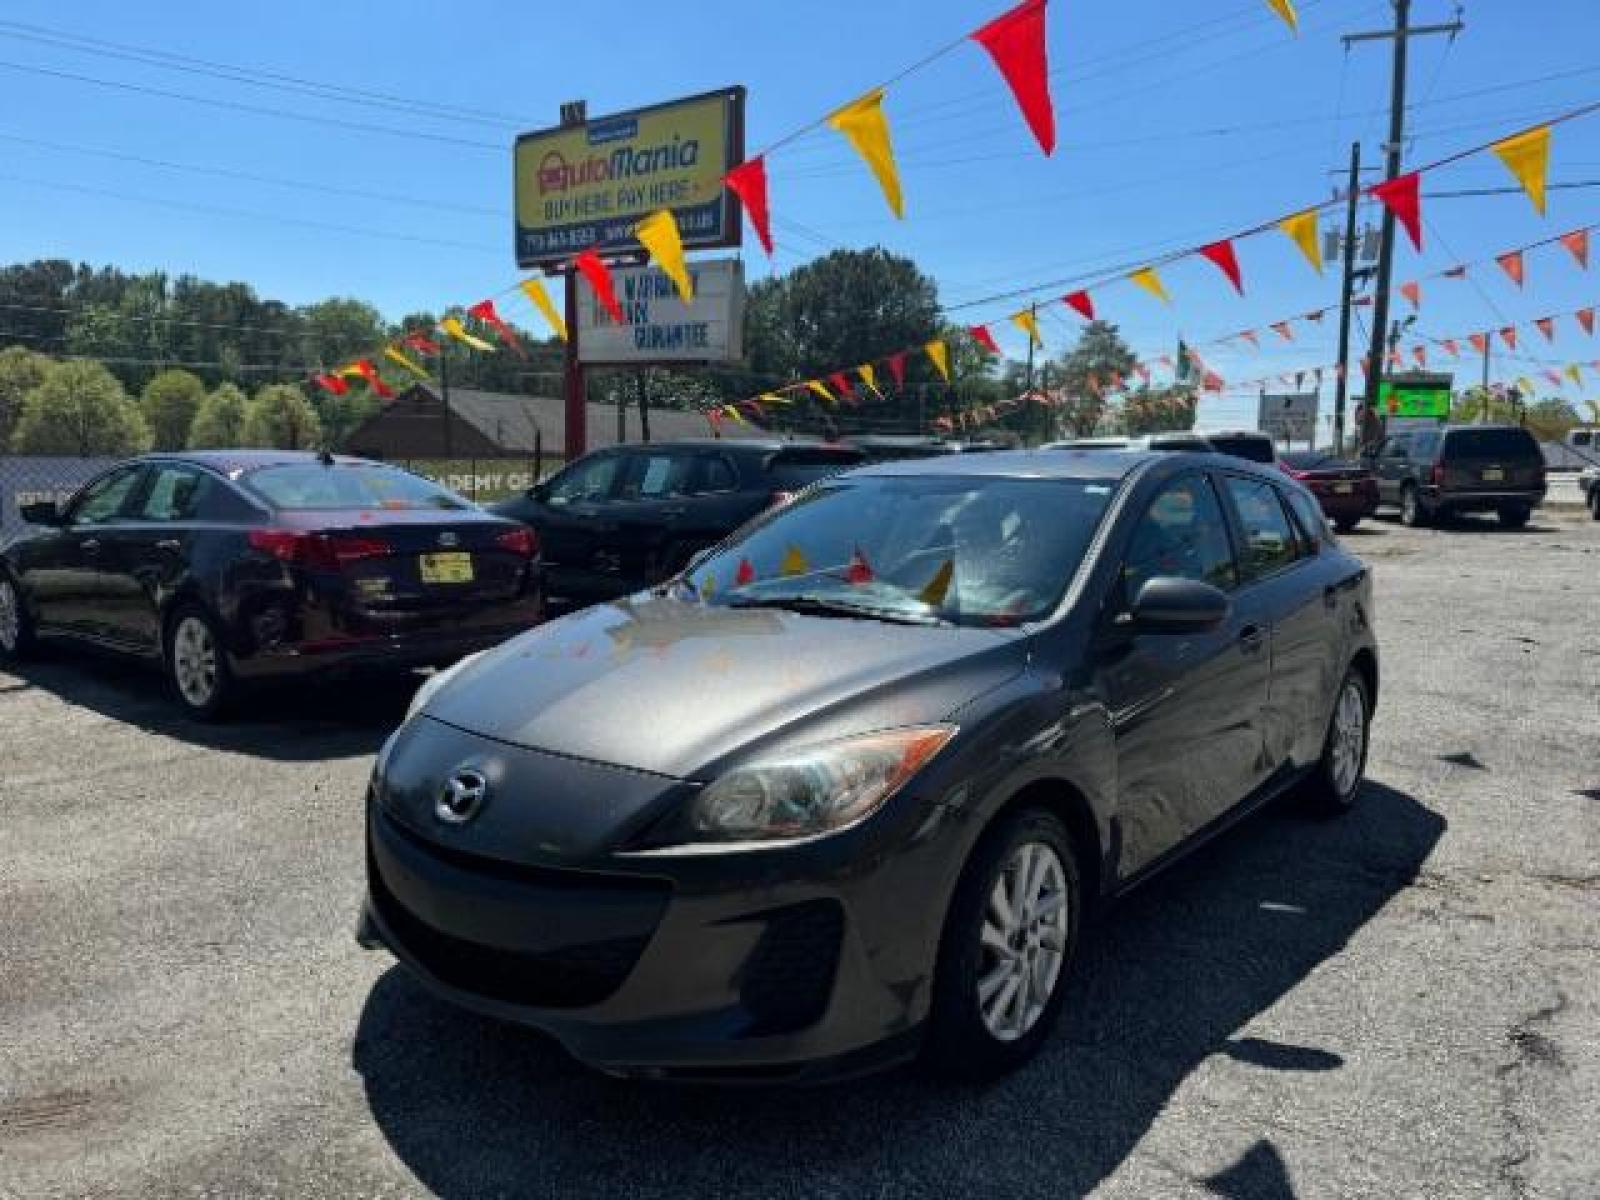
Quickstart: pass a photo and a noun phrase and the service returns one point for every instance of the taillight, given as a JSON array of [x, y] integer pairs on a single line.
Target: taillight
[[519, 541], [781, 498], [325, 551], [281, 544], [1437, 475]]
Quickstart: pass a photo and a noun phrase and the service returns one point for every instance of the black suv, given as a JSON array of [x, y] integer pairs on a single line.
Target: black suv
[[626, 517], [1435, 473]]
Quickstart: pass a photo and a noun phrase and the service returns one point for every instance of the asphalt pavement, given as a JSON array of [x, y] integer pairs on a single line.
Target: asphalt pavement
[[1402, 1002]]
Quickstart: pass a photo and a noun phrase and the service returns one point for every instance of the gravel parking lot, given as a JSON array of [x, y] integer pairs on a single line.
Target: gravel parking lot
[[1405, 1002]]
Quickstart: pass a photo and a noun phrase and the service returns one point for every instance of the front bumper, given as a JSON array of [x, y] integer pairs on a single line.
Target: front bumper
[[767, 970]]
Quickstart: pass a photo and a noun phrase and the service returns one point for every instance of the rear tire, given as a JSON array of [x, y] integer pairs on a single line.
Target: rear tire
[[1345, 524], [1594, 502], [1514, 517], [1336, 782], [197, 663], [1007, 949], [17, 639], [1412, 513]]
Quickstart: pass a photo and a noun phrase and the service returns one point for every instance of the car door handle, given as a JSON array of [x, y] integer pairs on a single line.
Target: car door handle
[[675, 511], [169, 544], [90, 545], [1251, 637]]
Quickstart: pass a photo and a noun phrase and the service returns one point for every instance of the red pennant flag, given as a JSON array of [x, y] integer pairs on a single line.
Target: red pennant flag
[[746, 574], [1420, 353], [1578, 242], [600, 280], [748, 181], [1221, 253], [1480, 342], [1212, 382], [859, 572], [1511, 263], [331, 383], [421, 343], [1015, 40], [484, 311], [984, 338], [1143, 371], [1586, 319], [1509, 336], [1451, 347], [1456, 273], [897, 368], [1281, 328], [1317, 315], [1403, 198], [1412, 292], [374, 380], [1547, 326], [1079, 302], [1249, 335], [1554, 377], [841, 384]]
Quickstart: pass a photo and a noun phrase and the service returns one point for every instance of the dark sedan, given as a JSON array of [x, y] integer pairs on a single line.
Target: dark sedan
[[232, 566], [1347, 491], [846, 789]]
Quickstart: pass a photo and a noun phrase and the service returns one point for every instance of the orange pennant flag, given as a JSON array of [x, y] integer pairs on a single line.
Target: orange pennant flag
[[1547, 326], [1578, 242], [1480, 342], [1586, 319], [1147, 278], [1527, 157], [1412, 292], [866, 128], [1302, 231], [1511, 263], [939, 355], [1282, 329], [1509, 336]]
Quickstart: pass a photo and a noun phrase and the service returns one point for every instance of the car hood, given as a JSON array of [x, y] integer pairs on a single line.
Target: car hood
[[673, 686]]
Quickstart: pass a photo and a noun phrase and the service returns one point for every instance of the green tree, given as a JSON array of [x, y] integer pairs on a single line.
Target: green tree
[[80, 408], [1548, 419], [169, 403], [280, 418], [219, 421], [1087, 370], [21, 370]]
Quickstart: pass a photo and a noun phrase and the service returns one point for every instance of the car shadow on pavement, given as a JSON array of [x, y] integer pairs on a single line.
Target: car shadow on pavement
[[299, 722], [1166, 981]]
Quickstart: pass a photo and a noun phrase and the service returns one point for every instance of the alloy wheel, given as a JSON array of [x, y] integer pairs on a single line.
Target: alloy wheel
[[10, 616], [194, 661], [1023, 941], [1349, 738]]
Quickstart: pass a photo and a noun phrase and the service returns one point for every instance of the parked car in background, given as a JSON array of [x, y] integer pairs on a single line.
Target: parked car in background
[[1347, 491], [228, 567], [629, 516], [1589, 487], [848, 789], [1249, 444], [891, 447], [1430, 474], [1172, 441]]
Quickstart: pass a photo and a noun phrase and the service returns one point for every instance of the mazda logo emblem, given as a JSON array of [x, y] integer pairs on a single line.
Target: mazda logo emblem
[[461, 798]]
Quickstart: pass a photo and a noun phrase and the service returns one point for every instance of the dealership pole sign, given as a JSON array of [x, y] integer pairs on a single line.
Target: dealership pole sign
[[1288, 417], [588, 184]]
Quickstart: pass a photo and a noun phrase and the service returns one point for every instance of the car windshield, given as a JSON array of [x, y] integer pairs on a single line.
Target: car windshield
[[1491, 443], [348, 486], [921, 549]]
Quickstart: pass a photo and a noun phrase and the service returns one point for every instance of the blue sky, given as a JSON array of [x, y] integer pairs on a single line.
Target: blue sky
[[1178, 122]]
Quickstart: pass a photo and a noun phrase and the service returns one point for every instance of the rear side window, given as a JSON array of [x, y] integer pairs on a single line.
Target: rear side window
[[1269, 539], [713, 474], [174, 494], [1256, 449], [1308, 516], [791, 470], [348, 486], [1491, 443]]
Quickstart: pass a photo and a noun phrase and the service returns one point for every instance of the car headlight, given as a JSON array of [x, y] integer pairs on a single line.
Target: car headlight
[[814, 790], [433, 683]]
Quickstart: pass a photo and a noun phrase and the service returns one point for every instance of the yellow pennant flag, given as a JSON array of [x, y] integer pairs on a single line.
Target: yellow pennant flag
[[1575, 373], [863, 123], [454, 327], [395, 356], [1527, 156], [1028, 321], [1525, 385], [773, 398], [939, 355], [816, 386], [733, 411], [534, 291], [933, 595], [870, 378], [794, 562], [658, 233], [1285, 9], [1302, 231], [1147, 278]]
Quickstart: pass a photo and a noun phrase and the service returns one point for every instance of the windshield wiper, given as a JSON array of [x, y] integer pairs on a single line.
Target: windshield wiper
[[821, 606]]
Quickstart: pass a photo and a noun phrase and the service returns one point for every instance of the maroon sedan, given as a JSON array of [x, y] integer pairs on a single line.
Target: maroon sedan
[[1346, 490]]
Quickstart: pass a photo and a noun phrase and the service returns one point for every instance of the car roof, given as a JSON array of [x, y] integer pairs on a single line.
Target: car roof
[[762, 445], [231, 462], [1088, 463]]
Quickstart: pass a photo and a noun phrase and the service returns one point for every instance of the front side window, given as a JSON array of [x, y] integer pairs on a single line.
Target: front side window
[[103, 499], [588, 480], [315, 486], [1183, 533], [173, 495], [920, 549], [1269, 541]]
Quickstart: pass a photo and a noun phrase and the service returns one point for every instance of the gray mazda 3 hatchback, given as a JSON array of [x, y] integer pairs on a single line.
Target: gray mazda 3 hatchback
[[844, 791]]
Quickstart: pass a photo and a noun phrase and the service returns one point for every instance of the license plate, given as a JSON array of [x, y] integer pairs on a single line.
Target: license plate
[[1344, 489], [1493, 475], [453, 567]]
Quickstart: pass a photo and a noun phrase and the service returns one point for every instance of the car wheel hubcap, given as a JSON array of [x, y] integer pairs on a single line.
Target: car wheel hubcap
[[194, 661], [10, 616], [1023, 941], [1349, 737]]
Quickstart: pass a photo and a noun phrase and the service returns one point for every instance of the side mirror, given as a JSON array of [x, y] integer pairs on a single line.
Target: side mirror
[[1171, 604], [41, 512], [537, 492]]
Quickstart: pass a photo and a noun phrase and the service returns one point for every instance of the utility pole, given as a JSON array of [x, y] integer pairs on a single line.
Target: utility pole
[[1341, 376], [1401, 34], [1033, 311], [1483, 412]]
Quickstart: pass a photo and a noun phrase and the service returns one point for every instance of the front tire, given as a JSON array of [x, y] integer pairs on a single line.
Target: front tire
[[1336, 781], [1007, 949], [197, 664], [17, 641], [1412, 513], [1594, 502]]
